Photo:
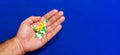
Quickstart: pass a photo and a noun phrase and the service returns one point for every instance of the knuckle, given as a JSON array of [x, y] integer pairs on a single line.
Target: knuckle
[[52, 19], [32, 16]]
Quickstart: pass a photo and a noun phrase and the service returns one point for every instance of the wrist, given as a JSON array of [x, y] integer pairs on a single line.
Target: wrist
[[11, 47], [19, 45]]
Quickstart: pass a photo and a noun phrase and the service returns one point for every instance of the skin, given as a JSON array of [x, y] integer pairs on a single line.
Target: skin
[[24, 41]]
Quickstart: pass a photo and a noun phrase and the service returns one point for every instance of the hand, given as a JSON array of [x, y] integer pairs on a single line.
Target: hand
[[26, 34]]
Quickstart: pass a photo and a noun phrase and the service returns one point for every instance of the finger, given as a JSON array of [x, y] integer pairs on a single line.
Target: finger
[[42, 19], [32, 19], [54, 18], [53, 33], [58, 22], [50, 14]]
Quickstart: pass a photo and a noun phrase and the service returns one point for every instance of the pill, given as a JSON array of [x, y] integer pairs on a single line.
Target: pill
[[39, 36], [41, 29], [39, 32], [34, 28], [43, 32], [42, 35], [36, 35], [44, 29], [46, 20]]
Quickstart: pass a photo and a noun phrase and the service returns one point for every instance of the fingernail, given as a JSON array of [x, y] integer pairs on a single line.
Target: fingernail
[[55, 10], [61, 12]]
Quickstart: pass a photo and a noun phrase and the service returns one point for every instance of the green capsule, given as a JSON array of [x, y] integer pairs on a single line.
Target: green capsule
[[42, 34], [36, 35], [34, 28], [46, 20], [44, 29], [39, 32]]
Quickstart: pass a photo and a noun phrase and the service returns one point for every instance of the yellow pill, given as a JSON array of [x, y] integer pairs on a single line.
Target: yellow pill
[[41, 25], [37, 28]]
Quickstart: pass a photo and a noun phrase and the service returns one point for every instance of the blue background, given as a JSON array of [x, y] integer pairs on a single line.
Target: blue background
[[92, 27]]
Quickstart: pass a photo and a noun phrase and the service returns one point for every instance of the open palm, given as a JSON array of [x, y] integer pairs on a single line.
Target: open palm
[[26, 34]]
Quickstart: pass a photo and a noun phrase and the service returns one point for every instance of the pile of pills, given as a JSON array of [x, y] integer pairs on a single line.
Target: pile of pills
[[40, 30]]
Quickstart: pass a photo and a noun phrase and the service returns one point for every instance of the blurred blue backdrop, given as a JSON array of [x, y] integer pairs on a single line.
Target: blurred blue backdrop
[[92, 27]]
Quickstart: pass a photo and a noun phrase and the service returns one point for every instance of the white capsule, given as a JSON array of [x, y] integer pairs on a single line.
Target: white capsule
[[43, 32], [44, 23], [34, 26], [45, 28], [40, 36]]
